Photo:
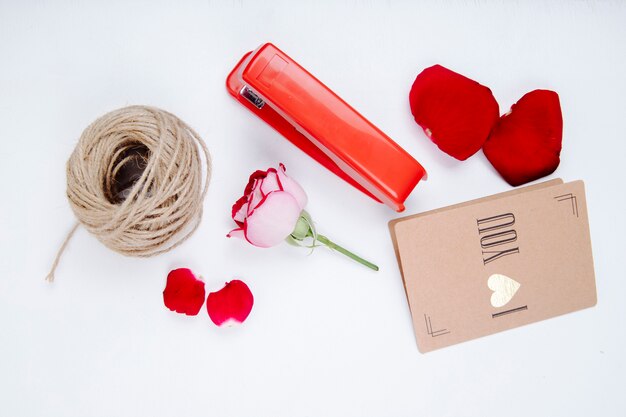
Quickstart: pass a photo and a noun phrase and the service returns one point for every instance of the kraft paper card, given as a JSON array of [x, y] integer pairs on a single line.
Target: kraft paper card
[[496, 263]]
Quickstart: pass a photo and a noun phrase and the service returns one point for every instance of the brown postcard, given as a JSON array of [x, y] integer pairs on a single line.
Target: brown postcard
[[496, 263]]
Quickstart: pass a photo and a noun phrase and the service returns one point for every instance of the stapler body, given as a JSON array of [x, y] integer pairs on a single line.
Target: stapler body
[[315, 119]]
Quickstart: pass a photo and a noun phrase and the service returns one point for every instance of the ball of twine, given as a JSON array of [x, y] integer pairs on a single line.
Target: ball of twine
[[135, 181]]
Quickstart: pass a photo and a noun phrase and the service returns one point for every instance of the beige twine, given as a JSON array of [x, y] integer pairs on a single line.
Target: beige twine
[[135, 181]]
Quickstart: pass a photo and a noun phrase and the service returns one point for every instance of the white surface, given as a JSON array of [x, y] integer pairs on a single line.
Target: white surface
[[326, 336]]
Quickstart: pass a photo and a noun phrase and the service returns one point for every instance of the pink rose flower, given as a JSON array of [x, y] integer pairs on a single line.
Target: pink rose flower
[[271, 210]]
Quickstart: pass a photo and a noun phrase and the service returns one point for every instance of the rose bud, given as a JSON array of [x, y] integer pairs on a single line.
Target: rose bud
[[269, 209], [272, 210]]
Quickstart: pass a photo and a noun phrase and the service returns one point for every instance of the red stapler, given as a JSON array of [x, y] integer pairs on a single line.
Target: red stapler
[[317, 121]]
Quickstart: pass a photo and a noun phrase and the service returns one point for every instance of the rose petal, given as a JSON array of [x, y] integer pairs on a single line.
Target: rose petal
[[253, 182], [270, 182], [273, 220], [258, 174], [456, 112], [237, 233], [239, 210], [292, 187], [525, 144], [231, 304], [183, 293], [256, 195]]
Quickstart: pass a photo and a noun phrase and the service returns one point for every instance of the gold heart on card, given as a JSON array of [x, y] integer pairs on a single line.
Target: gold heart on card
[[503, 287]]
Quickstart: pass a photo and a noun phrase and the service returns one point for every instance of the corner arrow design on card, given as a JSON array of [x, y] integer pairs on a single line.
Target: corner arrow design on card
[[429, 328], [503, 287], [572, 198]]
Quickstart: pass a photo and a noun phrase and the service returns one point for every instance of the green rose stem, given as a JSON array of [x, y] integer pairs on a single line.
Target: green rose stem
[[305, 229], [326, 241]]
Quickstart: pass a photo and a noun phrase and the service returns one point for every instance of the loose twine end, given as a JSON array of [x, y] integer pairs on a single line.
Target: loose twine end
[[50, 276]]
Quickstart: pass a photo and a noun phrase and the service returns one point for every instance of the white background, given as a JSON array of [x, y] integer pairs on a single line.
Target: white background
[[326, 336]]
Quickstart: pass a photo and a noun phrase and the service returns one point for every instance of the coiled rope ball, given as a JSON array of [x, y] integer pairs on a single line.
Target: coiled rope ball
[[135, 181]]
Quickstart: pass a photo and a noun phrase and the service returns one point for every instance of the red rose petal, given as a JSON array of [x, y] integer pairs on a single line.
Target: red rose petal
[[455, 112], [231, 304], [258, 174], [525, 143], [236, 208], [183, 293]]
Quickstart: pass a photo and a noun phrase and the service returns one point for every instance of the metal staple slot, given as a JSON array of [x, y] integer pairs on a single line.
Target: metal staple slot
[[252, 97]]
